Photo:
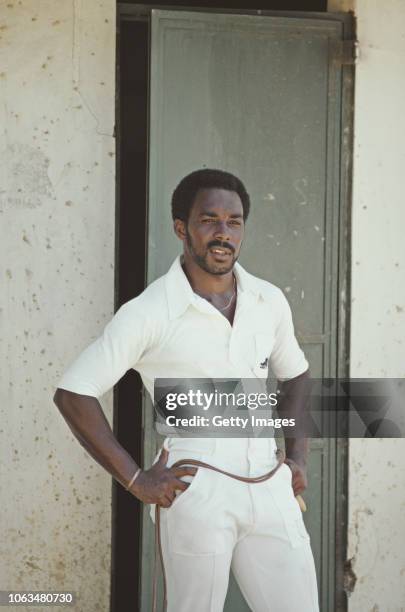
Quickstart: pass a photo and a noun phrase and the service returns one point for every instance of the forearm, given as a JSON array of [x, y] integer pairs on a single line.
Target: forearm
[[89, 425], [293, 405], [297, 450]]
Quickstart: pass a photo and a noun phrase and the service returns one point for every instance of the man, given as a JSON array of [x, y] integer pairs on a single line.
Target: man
[[208, 318]]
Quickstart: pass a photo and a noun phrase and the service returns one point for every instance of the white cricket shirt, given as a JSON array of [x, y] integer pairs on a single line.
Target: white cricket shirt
[[170, 332]]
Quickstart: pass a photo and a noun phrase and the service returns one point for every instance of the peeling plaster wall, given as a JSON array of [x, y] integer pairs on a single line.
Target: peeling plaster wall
[[57, 160], [377, 467]]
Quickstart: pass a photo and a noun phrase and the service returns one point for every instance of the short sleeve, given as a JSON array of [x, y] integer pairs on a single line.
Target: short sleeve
[[101, 365], [287, 359]]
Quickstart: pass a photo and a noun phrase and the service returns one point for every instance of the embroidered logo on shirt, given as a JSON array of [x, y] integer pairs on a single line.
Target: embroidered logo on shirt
[[264, 363]]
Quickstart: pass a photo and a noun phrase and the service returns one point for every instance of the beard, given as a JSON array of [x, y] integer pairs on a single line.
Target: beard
[[202, 258]]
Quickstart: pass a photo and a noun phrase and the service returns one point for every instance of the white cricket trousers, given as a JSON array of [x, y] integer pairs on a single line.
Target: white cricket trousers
[[257, 529]]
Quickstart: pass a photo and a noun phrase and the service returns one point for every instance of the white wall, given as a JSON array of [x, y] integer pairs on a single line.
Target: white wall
[[57, 159], [377, 467]]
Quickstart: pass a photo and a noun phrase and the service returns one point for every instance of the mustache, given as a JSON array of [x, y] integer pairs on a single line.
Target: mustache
[[220, 243]]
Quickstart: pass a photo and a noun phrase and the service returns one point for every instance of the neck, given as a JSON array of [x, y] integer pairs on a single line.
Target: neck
[[203, 282]]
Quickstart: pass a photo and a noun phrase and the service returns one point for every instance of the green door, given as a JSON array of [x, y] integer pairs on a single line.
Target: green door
[[259, 96]]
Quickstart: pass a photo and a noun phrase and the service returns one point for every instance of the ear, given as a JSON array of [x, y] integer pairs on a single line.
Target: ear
[[179, 229]]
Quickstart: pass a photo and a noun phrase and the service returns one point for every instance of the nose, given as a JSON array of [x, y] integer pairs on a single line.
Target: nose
[[221, 231]]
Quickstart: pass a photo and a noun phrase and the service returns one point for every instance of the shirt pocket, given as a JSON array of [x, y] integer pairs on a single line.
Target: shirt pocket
[[263, 346]]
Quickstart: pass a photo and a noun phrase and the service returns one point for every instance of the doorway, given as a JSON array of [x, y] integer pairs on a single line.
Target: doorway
[[315, 197]]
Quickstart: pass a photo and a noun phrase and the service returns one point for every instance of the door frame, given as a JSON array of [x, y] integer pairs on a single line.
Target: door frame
[[140, 12]]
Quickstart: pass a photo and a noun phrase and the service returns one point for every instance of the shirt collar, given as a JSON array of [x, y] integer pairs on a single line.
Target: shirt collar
[[180, 293]]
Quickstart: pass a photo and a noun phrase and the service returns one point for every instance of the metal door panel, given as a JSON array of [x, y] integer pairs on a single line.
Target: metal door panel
[[261, 97]]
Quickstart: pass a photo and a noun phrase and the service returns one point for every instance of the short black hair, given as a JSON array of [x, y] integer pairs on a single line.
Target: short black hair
[[185, 193]]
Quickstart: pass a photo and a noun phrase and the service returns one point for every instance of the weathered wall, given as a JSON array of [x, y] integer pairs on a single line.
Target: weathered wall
[[57, 158], [377, 467]]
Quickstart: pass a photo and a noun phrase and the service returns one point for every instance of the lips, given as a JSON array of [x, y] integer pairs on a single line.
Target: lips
[[219, 253]]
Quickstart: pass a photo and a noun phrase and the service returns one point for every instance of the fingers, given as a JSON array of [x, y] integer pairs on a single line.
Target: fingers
[[299, 485], [163, 457], [180, 484], [299, 480], [184, 471], [165, 502], [168, 497]]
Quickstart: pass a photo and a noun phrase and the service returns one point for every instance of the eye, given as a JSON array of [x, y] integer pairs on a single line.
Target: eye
[[208, 220], [235, 222]]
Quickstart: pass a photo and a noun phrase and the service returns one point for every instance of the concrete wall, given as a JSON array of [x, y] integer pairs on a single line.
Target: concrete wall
[[377, 467], [57, 159]]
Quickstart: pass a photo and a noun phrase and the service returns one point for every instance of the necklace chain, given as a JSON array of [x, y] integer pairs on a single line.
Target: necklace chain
[[231, 299], [232, 296]]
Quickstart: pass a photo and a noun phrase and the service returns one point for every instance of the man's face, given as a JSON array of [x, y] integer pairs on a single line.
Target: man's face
[[214, 232]]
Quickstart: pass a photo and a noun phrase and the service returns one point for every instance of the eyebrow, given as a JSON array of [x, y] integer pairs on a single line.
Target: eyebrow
[[212, 214]]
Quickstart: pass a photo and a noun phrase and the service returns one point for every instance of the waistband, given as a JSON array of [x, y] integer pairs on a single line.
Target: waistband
[[244, 454]]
